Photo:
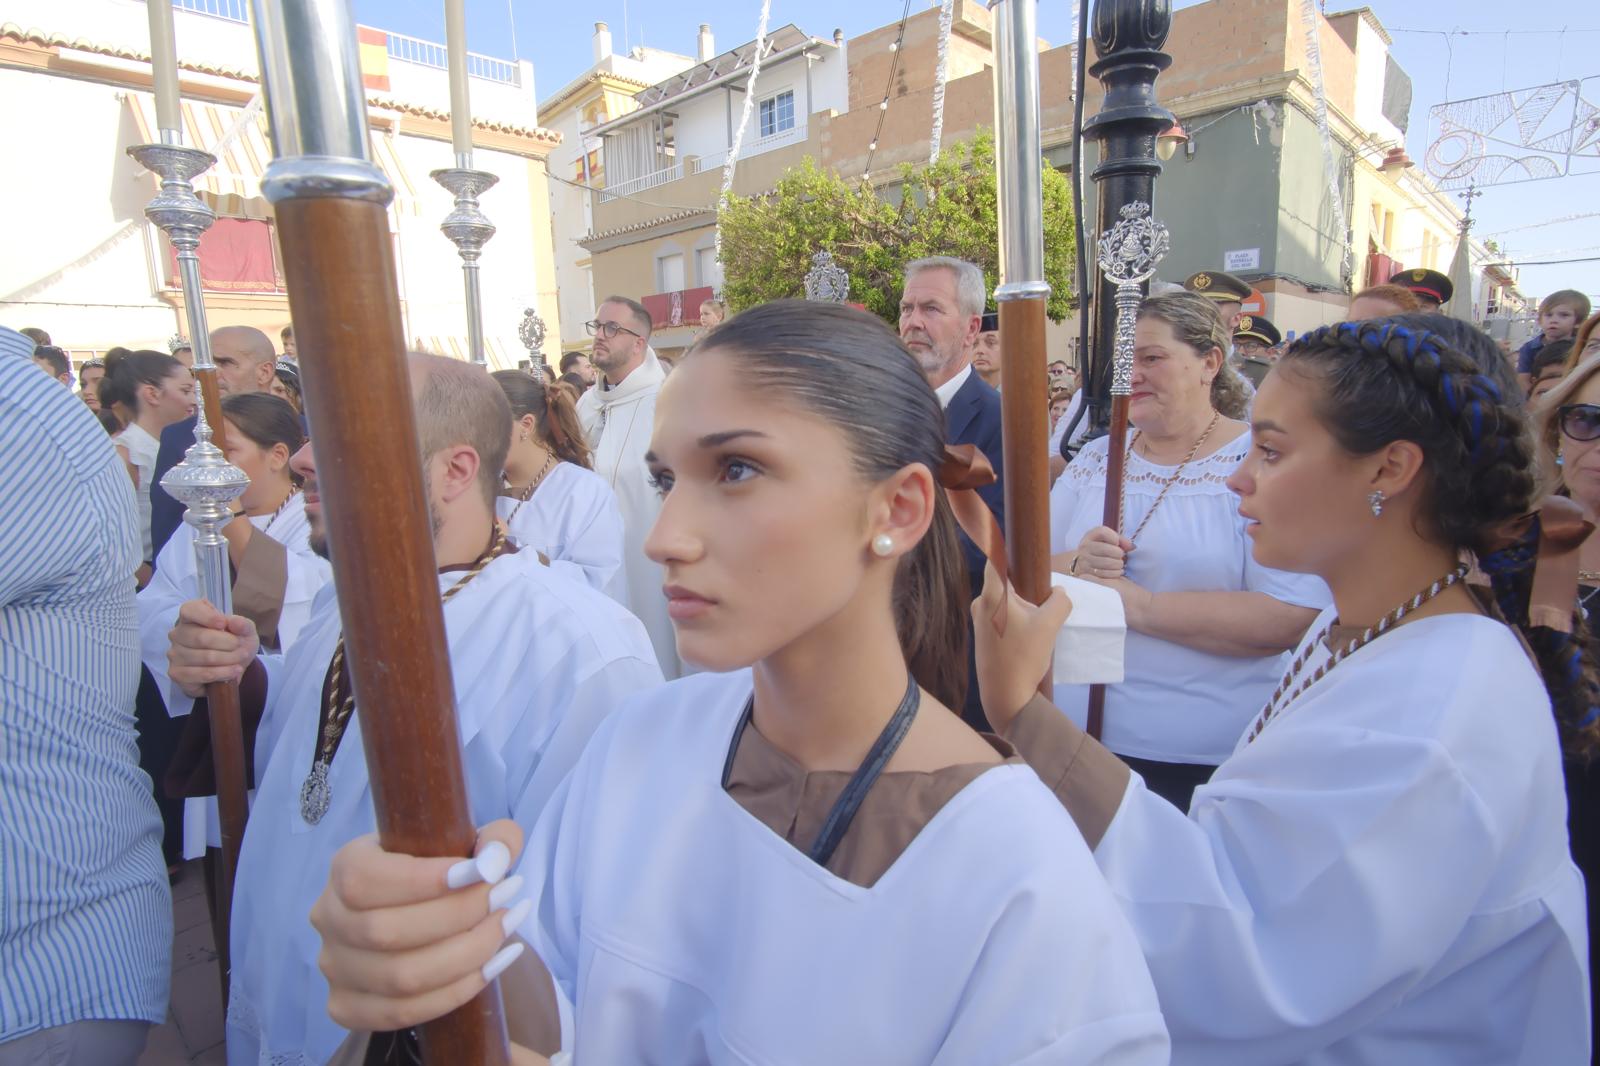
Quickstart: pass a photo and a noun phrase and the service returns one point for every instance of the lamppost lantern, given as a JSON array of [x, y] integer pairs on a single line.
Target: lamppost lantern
[[532, 333]]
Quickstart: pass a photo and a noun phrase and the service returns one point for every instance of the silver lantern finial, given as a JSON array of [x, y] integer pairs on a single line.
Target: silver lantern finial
[[827, 281], [532, 332], [1129, 255]]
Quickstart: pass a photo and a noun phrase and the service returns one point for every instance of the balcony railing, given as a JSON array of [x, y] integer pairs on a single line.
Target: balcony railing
[[643, 182], [402, 48], [432, 54], [715, 161], [230, 10]]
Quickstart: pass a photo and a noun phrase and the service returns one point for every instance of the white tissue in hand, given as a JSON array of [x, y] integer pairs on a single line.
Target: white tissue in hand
[[1089, 646]]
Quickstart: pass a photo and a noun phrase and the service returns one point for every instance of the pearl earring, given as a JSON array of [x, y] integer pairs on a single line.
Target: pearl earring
[[882, 545], [1376, 502]]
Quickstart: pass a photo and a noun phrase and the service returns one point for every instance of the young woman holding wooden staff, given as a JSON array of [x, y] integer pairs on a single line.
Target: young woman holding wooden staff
[[806, 858], [553, 501], [1379, 872]]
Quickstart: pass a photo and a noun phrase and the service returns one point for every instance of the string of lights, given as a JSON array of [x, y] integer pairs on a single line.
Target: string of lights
[[894, 69]]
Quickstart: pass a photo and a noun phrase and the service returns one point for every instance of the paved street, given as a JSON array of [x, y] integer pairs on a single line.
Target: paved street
[[192, 1035]]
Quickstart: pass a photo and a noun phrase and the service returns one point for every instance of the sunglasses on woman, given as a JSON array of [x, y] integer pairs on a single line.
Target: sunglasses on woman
[[1579, 421]]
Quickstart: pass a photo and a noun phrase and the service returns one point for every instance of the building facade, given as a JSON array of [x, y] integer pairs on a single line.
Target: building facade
[[604, 92], [88, 267], [1253, 191]]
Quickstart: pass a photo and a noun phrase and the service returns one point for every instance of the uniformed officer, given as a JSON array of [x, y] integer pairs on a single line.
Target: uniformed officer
[[1227, 291], [1428, 286], [1255, 342], [986, 353]]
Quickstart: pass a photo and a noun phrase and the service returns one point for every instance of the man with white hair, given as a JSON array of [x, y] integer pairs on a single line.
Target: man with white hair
[[941, 315]]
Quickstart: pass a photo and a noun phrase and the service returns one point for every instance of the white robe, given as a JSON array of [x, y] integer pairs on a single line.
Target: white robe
[[1381, 877], [538, 661], [177, 580], [618, 422], [686, 931], [573, 519]]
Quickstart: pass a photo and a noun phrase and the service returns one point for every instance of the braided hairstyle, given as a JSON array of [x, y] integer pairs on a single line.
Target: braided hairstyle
[[1382, 381]]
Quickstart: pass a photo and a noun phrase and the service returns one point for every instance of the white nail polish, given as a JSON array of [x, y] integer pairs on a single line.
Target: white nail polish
[[502, 960], [516, 916], [504, 892], [462, 874], [493, 862]]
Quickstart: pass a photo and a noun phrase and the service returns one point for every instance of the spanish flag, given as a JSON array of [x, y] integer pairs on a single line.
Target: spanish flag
[[374, 47]]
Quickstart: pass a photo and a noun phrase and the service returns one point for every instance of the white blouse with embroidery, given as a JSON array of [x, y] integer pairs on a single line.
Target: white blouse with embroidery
[[1177, 704]]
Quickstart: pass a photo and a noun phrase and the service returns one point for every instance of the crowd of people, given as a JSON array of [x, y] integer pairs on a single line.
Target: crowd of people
[[753, 725]]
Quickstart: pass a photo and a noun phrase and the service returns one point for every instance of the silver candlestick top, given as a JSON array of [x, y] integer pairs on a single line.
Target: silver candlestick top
[[205, 482], [468, 228], [1129, 255], [531, 331], [827, 281]]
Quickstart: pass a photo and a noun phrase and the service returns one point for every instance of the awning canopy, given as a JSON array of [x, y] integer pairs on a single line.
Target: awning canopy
[[238, 137]]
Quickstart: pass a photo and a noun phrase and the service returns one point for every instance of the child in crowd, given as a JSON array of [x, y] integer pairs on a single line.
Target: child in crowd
[[1559, 315]]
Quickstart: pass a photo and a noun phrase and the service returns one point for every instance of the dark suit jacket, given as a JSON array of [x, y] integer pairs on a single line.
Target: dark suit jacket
[[166, 513], [973, 417]]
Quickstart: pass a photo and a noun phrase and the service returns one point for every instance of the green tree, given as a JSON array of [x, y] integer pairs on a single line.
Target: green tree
[[947, 208]]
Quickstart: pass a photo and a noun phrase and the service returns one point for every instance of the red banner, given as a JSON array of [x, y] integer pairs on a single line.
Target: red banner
[[681, 308], [235, 256]]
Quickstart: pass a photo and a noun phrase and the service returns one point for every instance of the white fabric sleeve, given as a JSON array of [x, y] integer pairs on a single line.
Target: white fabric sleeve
[[1309, 887], [159, 602]]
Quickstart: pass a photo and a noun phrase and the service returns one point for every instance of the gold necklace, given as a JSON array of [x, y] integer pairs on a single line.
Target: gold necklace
[[525, 494], [1166, 485], [316, 792], [1386, 623]]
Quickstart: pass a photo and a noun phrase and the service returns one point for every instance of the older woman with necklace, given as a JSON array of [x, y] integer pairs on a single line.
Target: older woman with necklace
[[1206, 623], [1379, 872]]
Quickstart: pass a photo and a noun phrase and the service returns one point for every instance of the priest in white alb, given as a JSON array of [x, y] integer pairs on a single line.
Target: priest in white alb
[[617, 414]]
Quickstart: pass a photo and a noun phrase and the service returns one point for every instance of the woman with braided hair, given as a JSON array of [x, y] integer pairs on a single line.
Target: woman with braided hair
[[552, 501], [1379, 872]]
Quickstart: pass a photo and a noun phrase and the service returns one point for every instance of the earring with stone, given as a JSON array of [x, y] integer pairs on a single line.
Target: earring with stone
[[1375, 501], [883, 545]]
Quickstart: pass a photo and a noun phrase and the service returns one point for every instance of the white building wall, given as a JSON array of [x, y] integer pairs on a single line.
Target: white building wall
[[80, 260]]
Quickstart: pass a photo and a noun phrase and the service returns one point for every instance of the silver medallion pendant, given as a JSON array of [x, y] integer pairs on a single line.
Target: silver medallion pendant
[[315, 794]]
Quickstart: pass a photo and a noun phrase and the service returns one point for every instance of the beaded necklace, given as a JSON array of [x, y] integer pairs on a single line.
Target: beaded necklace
[[1388, 622], [1166, 486], [316, 792]]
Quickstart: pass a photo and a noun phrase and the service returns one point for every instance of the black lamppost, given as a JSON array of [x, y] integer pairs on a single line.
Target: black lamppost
[[1128, 35]]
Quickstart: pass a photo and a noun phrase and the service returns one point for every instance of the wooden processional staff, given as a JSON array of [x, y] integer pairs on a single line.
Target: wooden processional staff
[[338, 259], [1022, 297]]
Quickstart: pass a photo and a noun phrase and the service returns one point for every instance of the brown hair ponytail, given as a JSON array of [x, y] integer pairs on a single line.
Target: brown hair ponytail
[[848, 368], [554, 411]]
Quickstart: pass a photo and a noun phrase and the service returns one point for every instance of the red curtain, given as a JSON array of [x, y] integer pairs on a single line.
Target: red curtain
[[235, 256]]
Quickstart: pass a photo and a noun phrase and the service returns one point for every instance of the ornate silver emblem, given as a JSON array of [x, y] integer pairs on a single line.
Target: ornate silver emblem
[[315, 794], [532, 332], [827, 281], [1129, 255]]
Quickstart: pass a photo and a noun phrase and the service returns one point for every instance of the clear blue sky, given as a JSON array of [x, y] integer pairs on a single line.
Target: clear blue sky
[[556, 36]]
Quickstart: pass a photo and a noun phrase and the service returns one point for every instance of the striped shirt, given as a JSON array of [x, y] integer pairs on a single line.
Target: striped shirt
[[85, 909]]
